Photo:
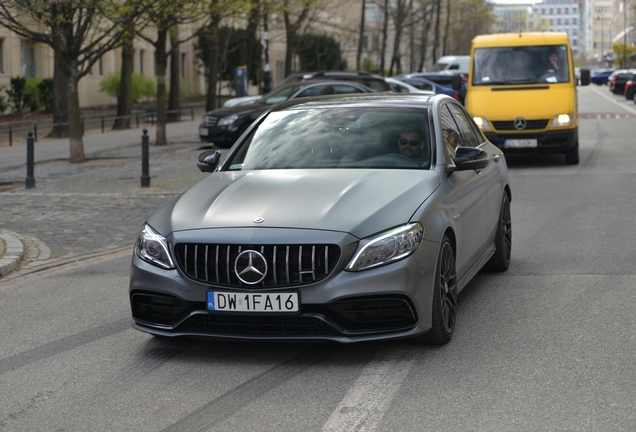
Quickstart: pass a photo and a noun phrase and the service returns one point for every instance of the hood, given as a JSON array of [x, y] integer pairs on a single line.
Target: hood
[[360, 202], [254, 108]]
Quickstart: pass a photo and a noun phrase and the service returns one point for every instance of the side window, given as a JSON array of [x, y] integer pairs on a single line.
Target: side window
[[463, 123], [450, 134], [398, 88], [346, 89], [317, 91]]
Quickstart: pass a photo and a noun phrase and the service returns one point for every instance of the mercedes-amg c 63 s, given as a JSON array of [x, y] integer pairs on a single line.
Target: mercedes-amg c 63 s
[[344, 218]]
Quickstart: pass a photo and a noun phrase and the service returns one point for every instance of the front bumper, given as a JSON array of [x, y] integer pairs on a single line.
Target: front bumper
[[393, 301], [555, 141]]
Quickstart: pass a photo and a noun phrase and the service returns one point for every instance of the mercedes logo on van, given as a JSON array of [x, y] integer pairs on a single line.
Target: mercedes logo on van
[[250, 267], [520, 123]]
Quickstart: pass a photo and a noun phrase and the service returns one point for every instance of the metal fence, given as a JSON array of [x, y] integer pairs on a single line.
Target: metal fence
[[16, 132]]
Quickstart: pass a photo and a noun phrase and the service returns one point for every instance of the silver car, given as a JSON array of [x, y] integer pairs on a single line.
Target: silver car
[[344, 218]]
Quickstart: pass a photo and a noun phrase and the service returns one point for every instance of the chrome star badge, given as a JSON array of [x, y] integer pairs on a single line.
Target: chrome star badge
[[258, 220], [250, 267]]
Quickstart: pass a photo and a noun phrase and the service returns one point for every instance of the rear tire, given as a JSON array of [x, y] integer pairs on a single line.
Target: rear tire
[[500, 261], [444, 298]]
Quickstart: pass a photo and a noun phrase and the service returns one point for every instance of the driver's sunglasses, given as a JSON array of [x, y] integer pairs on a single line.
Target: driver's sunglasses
[[412, 143]]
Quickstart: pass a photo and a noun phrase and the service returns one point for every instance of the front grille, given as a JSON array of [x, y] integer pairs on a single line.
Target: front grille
[[510, 125], [287, 265], [209, 121], [268, 325]]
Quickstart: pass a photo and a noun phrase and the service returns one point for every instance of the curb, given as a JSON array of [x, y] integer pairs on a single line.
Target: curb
[[11, 252]]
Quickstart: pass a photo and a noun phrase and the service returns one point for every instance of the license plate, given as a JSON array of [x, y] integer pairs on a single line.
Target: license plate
[[252, 302], [520, 143], [203, 131]]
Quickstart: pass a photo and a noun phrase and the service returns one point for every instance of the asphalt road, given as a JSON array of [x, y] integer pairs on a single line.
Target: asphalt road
[[549, 345]]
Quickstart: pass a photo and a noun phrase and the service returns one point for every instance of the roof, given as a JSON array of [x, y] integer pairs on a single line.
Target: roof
[[364, 100], [520, 39]]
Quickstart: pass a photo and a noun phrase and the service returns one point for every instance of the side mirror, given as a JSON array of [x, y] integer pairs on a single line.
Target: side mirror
[[469, 158], [457, 82], [585, 77], [208, 160]]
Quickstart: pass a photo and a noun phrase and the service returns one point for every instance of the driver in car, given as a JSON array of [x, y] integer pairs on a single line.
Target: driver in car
[[410, 144]]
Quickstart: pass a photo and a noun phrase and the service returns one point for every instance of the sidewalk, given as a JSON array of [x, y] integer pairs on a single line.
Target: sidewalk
[[98, 206]]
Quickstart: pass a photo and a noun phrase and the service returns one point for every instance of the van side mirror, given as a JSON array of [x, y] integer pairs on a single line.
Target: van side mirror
[[208, 160], [585, 77]]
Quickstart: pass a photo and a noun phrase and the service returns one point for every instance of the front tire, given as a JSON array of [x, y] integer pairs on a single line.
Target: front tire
[[444, 297], [500, 261]]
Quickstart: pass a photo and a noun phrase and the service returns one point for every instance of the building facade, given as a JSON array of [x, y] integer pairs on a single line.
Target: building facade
[[563, 16]]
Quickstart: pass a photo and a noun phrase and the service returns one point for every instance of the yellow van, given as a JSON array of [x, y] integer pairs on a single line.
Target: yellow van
[[521, 92]]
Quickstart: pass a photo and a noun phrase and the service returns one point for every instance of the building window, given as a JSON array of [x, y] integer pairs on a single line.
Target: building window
[[574, 21], [558, 21], [574, 32], [542, 11], [27, 56], [558, 11], [141, 61], [551, 11], [574, 42], [567, 21], [566, 11], [183, 64]]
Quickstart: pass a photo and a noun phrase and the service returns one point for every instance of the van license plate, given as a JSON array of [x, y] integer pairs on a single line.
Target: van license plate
[[203, 131], [520, 143], [249, 302]]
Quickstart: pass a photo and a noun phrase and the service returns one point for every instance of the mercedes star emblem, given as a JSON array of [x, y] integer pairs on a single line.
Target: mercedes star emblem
[[520, 123], [250, 267], [258, 220]]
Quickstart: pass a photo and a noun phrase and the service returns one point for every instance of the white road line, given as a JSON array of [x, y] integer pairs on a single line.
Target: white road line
[[371, 395], [628, 108]]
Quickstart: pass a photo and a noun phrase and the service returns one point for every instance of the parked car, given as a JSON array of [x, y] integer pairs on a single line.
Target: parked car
[[315, 226], [445, 78], [375, 82], [454, 63], [225, 125], [372, 81], [618, 79], [404, 87], [425, 84], [600, 76], [630, 88]]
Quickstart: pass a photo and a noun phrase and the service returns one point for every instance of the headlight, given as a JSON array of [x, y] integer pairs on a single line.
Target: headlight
[[387, 247], [226, 121], [153, 248], [563, 120], [482, 123]]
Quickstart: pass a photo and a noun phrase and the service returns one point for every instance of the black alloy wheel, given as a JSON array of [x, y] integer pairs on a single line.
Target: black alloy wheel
[[500, 261], [444, 297]]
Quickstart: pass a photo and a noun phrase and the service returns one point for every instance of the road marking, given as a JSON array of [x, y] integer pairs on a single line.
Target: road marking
[[371, 395], [628, 108]]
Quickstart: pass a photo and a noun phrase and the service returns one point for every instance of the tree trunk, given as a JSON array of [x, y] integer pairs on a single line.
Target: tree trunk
[[175, 62], [162, 66], [447, 29], [436, 37], [385, 27], [411, 37], [60, 103], [424, 40], [124, 98], [75, 122], [290, 32], [247, 53], [360, 37], [213, 63]]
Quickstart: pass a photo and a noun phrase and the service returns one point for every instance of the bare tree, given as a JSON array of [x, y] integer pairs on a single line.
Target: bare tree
[[79, 32], [163, 15], [361, 36]]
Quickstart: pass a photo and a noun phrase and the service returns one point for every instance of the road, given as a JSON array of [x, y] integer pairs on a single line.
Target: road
[[548, 345]]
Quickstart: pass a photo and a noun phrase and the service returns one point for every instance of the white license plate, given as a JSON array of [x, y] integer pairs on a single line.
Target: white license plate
[[520, 143], [252, 302], [203, 131]]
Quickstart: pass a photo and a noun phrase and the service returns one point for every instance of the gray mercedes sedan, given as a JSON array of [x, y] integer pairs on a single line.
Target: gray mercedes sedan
[[343, 218]]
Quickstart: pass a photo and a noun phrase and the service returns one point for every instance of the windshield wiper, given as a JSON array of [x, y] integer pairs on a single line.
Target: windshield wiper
[[508, 82]]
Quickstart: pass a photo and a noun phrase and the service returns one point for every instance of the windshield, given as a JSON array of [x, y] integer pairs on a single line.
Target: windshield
[[520, 65], [280, 94], [337, 138]]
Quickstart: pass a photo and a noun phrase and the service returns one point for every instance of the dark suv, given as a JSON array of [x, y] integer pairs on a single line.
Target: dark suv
[[225, 125], [375, 82]]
